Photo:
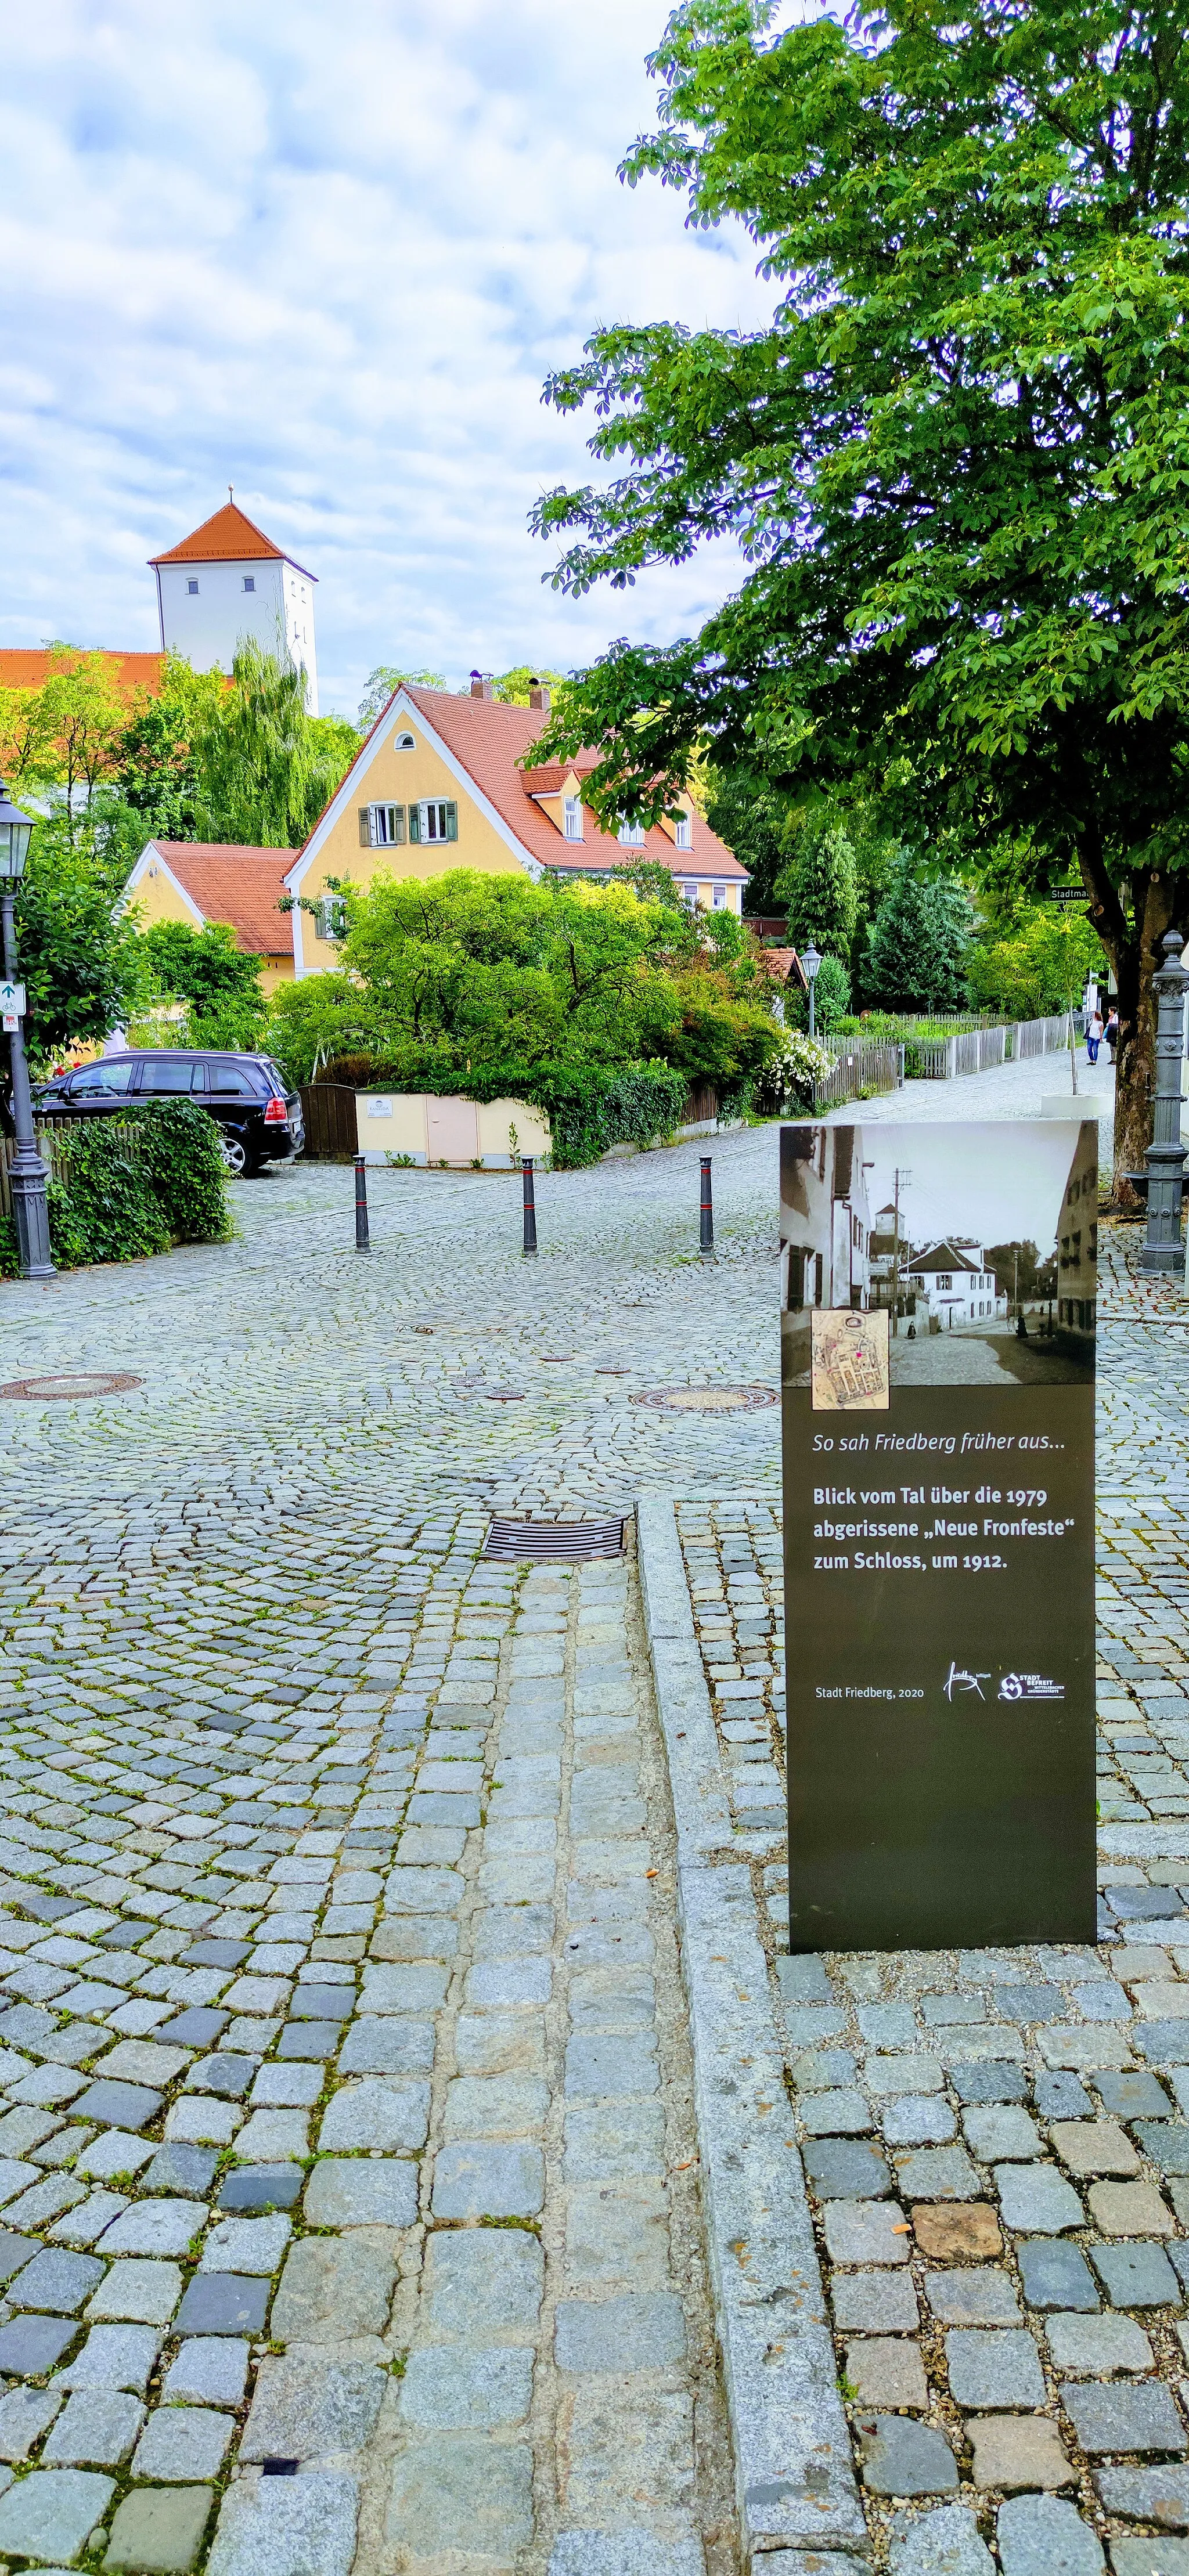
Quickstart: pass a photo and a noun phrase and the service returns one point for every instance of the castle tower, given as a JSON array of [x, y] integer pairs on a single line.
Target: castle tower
[[228, 580]]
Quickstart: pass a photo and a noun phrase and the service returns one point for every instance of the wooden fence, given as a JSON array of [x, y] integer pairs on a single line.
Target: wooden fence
[[53, 1141], [328, 1110], [858, 1071]]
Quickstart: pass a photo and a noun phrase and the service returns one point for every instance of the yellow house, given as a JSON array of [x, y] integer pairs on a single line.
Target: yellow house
[[201, 881], [438, 785]]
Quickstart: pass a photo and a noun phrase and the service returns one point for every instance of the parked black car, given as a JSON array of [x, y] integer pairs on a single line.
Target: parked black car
[[260, 1121]]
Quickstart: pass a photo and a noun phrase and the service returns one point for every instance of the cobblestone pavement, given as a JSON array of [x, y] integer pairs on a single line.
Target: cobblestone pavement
[[348, 2178], [348, 2174], [997, 2143]]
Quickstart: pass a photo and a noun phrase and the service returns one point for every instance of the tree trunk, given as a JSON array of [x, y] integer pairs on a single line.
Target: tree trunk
[[1133, 946]]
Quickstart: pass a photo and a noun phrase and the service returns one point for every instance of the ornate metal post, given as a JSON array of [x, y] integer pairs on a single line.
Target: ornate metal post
[[27, 1174], [707, 1213], [363, 1240], [530, 1208], [1166, 1154]]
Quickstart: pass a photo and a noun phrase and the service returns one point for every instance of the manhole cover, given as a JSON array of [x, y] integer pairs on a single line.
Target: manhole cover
[[547, 1542], [707, 1399], [70, 1390]]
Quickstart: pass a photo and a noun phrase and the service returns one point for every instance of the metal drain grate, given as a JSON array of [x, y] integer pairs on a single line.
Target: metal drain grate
[[548, 1542]]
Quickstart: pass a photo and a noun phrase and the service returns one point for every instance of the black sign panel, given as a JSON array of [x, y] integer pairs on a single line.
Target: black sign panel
[[938, 1320]]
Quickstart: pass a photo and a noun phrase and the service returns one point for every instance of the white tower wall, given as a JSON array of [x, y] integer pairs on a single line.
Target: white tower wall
[[205, 622]]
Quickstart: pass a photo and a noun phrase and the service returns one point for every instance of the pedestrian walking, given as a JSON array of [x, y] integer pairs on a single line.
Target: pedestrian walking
[[1111, 1031], [1094, 1035]]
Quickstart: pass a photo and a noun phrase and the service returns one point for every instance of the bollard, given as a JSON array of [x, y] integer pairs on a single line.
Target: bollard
[[1166, 1154], [707, 1236], [362, 1238], [530, 1207]]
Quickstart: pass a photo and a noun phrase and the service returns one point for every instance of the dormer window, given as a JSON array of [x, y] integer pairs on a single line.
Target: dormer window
[[631, 836], [683, 837], [192, 589], [572, 811], [249, 581]]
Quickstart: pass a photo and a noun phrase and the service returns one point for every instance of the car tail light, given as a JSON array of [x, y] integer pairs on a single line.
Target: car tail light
[[276, 1114]]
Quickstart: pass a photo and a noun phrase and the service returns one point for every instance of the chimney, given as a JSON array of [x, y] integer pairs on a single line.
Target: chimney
[[539, 696], [480, 688]]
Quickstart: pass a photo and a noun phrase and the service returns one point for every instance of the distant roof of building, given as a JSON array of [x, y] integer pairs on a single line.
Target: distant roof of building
[[946, 1256], [29, 667], [489, 739], [228, 536], [239, 886], [783, 965]]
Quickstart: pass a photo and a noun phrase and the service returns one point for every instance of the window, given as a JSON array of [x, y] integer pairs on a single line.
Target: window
[[330, 918], [228, 1083], [100, 1081], [796, 1294], [433, 820], [719, 898], [631, 836], [403, 742], [171, 1073], [381, 827], [249, 581], [683, 837], [690, 893], [572, 809], [192, 589]]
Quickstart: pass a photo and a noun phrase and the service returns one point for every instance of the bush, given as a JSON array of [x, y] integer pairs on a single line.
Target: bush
[[121, 1193], [181, 1152]]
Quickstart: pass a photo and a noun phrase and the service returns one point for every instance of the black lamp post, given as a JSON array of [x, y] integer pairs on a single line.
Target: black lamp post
[[28, 1174], [811, 962], [1166, 1154]]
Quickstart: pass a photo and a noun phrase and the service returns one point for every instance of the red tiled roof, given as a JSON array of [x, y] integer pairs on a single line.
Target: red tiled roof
[[228, 537], [784, 966], [30, 667], [488, 739], [241, 887]]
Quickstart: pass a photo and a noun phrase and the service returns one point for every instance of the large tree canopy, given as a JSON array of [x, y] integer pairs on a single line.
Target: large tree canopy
[[956, 461]]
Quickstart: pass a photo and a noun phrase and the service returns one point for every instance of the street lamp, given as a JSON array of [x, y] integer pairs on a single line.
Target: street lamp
[[28, 1174], [811, 963]]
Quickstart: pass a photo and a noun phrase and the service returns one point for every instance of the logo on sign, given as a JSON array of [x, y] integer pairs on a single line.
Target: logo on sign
[[1030, 1686]]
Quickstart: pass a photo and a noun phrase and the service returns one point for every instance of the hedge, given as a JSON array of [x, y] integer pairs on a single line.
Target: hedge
[[589, 1107], [122, 1191]]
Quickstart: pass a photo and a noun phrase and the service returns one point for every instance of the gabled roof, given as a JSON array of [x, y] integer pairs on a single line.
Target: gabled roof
[[228, 537], [485, 741], [783, 966], [225, 883], [945, 1256], [24, 667]]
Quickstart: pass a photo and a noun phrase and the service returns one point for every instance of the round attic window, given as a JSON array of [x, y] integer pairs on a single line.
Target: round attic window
[[404, 742]]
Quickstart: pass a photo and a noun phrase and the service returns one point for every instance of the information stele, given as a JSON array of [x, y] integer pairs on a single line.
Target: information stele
[[939, 1562]]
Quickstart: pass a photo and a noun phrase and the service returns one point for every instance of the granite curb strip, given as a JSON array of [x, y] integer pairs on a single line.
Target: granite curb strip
[[794, 2476]]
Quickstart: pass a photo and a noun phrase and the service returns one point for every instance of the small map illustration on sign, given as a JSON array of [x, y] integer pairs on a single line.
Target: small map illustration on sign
[[849, 1360]]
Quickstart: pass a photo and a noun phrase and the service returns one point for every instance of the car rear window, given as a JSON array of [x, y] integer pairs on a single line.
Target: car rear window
[[234, 1081]]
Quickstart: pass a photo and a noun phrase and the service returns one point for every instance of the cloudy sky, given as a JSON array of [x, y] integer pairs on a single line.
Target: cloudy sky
[[328, 253], [1003, 1183]]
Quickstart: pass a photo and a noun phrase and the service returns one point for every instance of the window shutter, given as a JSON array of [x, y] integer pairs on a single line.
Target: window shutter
[[398, 822], [414, 822], [452, 822], [365, 829]]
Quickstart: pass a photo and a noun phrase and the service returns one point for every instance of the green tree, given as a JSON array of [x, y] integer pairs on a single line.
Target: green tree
[[819, 887], [955, 461], [383, 684], [155, 769], [511, 688], [78, 952], [207, 970], [918, 943], [751, 816], [264, 769], [1035, 964]]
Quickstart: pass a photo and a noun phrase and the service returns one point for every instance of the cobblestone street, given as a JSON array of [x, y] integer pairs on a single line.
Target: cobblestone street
[[354, 2198]]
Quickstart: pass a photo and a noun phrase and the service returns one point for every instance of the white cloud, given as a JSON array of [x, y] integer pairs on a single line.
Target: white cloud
[[329, 255]]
